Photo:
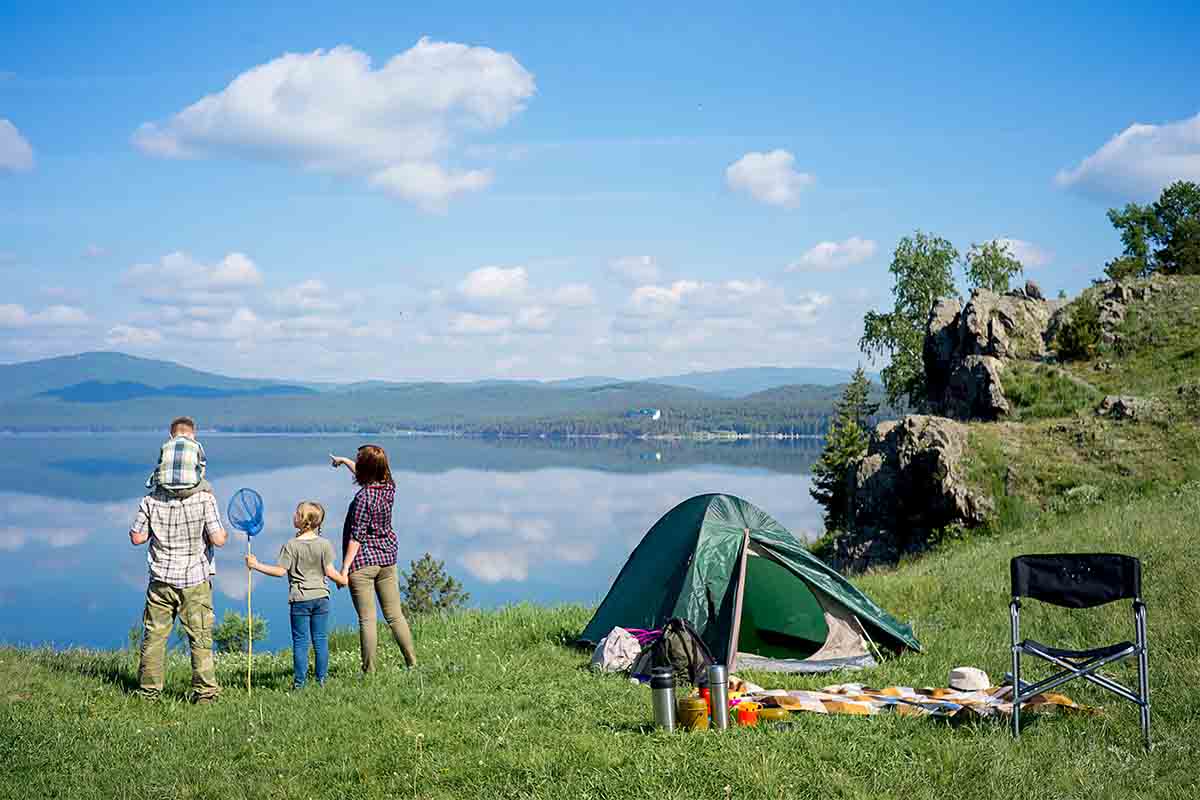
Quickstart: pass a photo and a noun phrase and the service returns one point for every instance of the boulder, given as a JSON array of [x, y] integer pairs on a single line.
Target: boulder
[[1033, 291], [975, 391], [1117, 406], [910, 483], [965, 348]]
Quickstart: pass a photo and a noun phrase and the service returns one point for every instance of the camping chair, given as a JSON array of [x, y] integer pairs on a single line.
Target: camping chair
[[1083, 580]]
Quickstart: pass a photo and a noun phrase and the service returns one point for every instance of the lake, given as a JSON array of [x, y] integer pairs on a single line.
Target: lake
[[514, 520]]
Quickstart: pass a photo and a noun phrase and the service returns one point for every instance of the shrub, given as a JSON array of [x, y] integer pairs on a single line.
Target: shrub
[[1080, 334], [230, 635], [427, 588]]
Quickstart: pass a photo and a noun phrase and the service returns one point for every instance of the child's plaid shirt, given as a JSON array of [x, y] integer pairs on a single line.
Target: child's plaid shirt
[[180, 464]]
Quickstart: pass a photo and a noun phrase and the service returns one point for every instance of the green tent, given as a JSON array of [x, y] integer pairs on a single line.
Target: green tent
[[750, 588]]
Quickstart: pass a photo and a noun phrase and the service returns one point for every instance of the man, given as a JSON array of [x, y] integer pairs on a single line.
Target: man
[[182, 532]]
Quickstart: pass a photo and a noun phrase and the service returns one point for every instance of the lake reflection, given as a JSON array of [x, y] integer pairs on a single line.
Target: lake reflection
[[514, 521]]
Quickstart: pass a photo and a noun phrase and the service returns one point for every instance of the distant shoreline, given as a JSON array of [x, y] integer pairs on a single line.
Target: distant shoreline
[[700, 436]]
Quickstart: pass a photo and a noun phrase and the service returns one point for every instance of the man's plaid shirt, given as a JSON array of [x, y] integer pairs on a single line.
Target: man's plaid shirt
[[181, 464], [369, 522], [180, 552]]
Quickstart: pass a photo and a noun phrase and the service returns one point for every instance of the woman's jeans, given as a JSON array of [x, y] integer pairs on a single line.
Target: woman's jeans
[[365, 584], [310, 619]]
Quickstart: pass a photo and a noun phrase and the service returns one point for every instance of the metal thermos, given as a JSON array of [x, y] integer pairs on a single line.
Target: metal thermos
[[662, 688], [718, 695]]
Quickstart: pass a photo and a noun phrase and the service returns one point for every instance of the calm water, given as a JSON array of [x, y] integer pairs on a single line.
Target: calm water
[[513, 520]]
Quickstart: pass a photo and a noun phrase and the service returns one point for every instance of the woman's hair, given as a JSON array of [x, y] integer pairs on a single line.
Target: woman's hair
[[371, 466], [312, 515]]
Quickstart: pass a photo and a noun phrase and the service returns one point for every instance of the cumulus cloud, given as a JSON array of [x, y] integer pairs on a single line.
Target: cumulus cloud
[[573, 295], [469, 324], [177, 276], [830, 256], [330, 110], [313, 296], [1139, 161], [13, 315], [1028, 253], [132, 336], [636, 270], [15, 152], [493, 566], [489, 284], [769, 178]]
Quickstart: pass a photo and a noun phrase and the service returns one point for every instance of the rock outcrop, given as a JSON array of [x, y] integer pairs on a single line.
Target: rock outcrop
[[1124, 407], [966, 347], [910, 483]]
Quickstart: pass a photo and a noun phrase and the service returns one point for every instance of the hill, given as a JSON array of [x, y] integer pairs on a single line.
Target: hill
[[743, 381], [111, 391], [30, 378]]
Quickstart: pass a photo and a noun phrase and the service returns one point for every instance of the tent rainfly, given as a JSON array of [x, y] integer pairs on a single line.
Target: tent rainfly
[[752, 590]]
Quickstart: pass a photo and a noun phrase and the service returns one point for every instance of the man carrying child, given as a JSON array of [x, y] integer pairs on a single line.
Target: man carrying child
[[180, 520]]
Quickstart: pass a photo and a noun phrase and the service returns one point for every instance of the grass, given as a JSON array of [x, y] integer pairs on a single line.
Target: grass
[[500, 706], [1041, 391]]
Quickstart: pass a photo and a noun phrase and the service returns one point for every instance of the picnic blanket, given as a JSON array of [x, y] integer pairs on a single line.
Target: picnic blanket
[[857, 699]]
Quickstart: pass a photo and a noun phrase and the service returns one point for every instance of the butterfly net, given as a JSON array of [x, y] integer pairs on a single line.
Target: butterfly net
[[245, 511]]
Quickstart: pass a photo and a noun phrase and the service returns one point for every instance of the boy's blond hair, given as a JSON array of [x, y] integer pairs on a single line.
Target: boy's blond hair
[[312, 515]]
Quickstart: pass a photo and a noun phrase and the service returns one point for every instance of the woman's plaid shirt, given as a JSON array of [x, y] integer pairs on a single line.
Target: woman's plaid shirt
[[369, 522]]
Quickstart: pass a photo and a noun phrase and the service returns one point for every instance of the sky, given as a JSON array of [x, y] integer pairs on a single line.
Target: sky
[[453, 192]]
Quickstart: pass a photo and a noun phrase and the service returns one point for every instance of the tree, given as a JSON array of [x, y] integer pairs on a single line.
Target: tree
[[230, 635], [922, 266], [991, 265], [845, 443], [1161, 237], [427, 588]]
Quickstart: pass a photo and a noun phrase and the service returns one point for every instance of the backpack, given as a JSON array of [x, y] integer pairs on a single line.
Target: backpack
[[679, 647]]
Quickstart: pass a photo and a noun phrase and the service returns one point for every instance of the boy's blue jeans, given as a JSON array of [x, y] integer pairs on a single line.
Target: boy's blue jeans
[[310, 620]]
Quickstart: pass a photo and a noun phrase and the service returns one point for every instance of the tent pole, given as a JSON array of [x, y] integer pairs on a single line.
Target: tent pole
[[736, 628], [870, 641]]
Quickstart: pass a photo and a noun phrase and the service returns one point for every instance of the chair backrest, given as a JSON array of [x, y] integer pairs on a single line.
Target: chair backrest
[[1077, 580]]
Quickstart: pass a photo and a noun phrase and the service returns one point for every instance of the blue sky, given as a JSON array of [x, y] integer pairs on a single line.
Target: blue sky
[[453, 192]]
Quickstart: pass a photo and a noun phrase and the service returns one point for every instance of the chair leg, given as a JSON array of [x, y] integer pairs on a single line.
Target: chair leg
[[1014, 614], [1143, 673]]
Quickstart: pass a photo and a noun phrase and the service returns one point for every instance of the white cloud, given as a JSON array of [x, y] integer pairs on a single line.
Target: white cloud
[[307, 296], [468, 324], [178, 277], [573, 295], [495, 284], [830, 256], [15, 152], [637, 270], [535, 318], [768, 177], [1139, 161], [132, 336], [493, 566], [329, 110], [56, 316], [1028, 253], [657, 300], [428, 185]]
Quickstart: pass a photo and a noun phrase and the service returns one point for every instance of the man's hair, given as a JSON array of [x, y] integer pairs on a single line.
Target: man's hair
[[182, 422], [371, 466]]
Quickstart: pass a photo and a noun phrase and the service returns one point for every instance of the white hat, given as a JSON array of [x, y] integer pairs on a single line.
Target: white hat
[[969, 679]]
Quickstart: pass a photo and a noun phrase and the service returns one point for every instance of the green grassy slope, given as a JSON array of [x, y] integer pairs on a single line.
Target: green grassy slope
[[501, 708]]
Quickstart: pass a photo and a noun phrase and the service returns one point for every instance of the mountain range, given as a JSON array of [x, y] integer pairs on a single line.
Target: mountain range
[[108, 390]]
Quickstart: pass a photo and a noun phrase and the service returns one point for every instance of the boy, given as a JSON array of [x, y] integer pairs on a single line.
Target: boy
[[180, 470], [181, 463]]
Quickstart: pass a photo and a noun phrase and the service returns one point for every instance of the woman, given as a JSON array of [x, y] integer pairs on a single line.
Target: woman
[[369, 545]]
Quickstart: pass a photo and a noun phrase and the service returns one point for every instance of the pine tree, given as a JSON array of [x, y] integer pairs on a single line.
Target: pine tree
[[427, 588], [846, 441]]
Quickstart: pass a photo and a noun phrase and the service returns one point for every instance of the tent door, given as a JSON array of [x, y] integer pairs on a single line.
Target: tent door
[[736, 628]]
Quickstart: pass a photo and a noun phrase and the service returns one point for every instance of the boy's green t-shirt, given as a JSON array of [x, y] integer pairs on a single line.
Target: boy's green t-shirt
[[305, 561]]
